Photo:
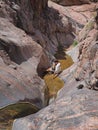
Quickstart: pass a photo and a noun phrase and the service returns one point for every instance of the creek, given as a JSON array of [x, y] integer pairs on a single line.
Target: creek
[[55, 84], [11, 112], [21, 109]]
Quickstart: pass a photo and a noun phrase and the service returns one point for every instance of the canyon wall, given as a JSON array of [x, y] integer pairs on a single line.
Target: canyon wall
[[30, 33], [76, 105], [20, 54]]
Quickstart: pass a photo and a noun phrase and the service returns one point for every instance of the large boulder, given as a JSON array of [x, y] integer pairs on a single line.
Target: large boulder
[[19, 56]]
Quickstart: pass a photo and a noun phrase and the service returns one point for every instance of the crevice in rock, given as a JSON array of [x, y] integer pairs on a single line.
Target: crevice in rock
[[15, 53], [4, 54], [12, 52]]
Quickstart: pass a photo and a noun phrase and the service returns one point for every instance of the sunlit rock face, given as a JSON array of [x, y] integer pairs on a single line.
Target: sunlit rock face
[[87, 68]]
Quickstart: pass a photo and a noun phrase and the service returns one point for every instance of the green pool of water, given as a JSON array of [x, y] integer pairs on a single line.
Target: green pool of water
[[11, 112], [55, 84]]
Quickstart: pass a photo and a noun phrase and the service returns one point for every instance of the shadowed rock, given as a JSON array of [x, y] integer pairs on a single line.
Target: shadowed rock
[[71, 2]]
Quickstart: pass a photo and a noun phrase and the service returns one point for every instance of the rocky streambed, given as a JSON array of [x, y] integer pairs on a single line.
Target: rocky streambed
[[30, 32], [21, 109], [54, 84]]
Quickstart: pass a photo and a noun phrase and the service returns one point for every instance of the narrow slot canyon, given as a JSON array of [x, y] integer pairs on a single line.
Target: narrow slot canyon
[[32, 34]]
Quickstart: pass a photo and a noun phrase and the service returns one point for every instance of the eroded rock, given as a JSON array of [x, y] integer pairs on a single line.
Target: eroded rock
[[20, 55], [74, 108]]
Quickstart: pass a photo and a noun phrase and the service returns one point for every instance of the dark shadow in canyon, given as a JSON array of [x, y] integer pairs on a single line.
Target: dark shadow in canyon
[[15, 53]]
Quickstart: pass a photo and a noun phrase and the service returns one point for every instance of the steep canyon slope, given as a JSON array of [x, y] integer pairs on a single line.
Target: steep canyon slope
[[76, 106], [30, 32], [19, 57], [24, 26]]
